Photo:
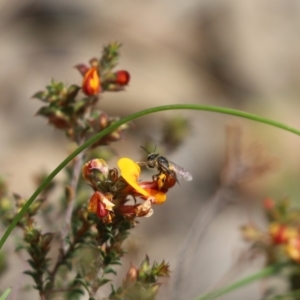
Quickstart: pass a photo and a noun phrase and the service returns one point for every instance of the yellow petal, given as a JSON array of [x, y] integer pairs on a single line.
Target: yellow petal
[[159, 197], [130, 171]]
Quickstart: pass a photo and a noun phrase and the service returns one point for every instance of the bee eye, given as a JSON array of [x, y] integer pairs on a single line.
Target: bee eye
[[152, 156]]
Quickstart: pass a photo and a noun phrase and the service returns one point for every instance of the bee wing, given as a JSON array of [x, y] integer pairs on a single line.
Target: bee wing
[[181, 172]]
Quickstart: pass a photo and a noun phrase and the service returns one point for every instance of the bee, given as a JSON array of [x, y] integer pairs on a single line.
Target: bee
[[163, 165]]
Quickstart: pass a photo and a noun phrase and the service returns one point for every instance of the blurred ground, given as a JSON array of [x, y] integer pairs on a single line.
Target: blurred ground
[[240, 54]]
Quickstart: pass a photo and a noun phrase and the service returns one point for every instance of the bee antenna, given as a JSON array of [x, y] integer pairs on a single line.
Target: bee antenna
[[155, 148], [145, 149]]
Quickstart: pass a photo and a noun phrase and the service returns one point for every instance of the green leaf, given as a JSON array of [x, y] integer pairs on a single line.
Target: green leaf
[[68, 264], [5, 294], [33, 274], [113, 291], [109, 271], [82, 282], [32, 263], [103, 281], [79, 105], [77, 291], [40, 95]]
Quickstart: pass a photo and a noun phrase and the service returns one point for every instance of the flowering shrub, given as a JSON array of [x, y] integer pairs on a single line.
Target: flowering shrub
[[101, 202], [100, 222]]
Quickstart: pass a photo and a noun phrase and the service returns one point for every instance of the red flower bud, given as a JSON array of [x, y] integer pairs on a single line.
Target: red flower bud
[[122, 77], [268, 203]]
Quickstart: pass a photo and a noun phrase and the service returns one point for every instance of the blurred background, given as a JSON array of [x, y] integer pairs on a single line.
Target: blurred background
[[238, 54]]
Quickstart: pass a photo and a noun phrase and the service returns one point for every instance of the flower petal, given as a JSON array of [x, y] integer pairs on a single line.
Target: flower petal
[[159, 197], [91, 84], [100, 205], [293, 248], [130, 171]]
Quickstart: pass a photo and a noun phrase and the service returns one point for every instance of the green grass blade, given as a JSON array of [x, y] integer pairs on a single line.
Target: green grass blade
[[5, 294], [268, 271]]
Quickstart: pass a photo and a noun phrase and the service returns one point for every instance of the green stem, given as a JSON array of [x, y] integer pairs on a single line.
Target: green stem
[[268, 271], [131, 117]]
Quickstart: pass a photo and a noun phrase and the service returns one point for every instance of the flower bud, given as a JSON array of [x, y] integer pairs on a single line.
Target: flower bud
[[91, 84], [122, 77], [92, 165], [268, 203], [103, 120], [144, 268], [131, 276], [154, 289]]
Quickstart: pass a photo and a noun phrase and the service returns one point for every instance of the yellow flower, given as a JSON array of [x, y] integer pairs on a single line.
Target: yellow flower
[[131, 171]]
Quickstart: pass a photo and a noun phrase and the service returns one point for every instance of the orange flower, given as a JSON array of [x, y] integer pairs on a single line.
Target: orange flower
[[100, 204], [131, 171], [91, 84], [281, 233]]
